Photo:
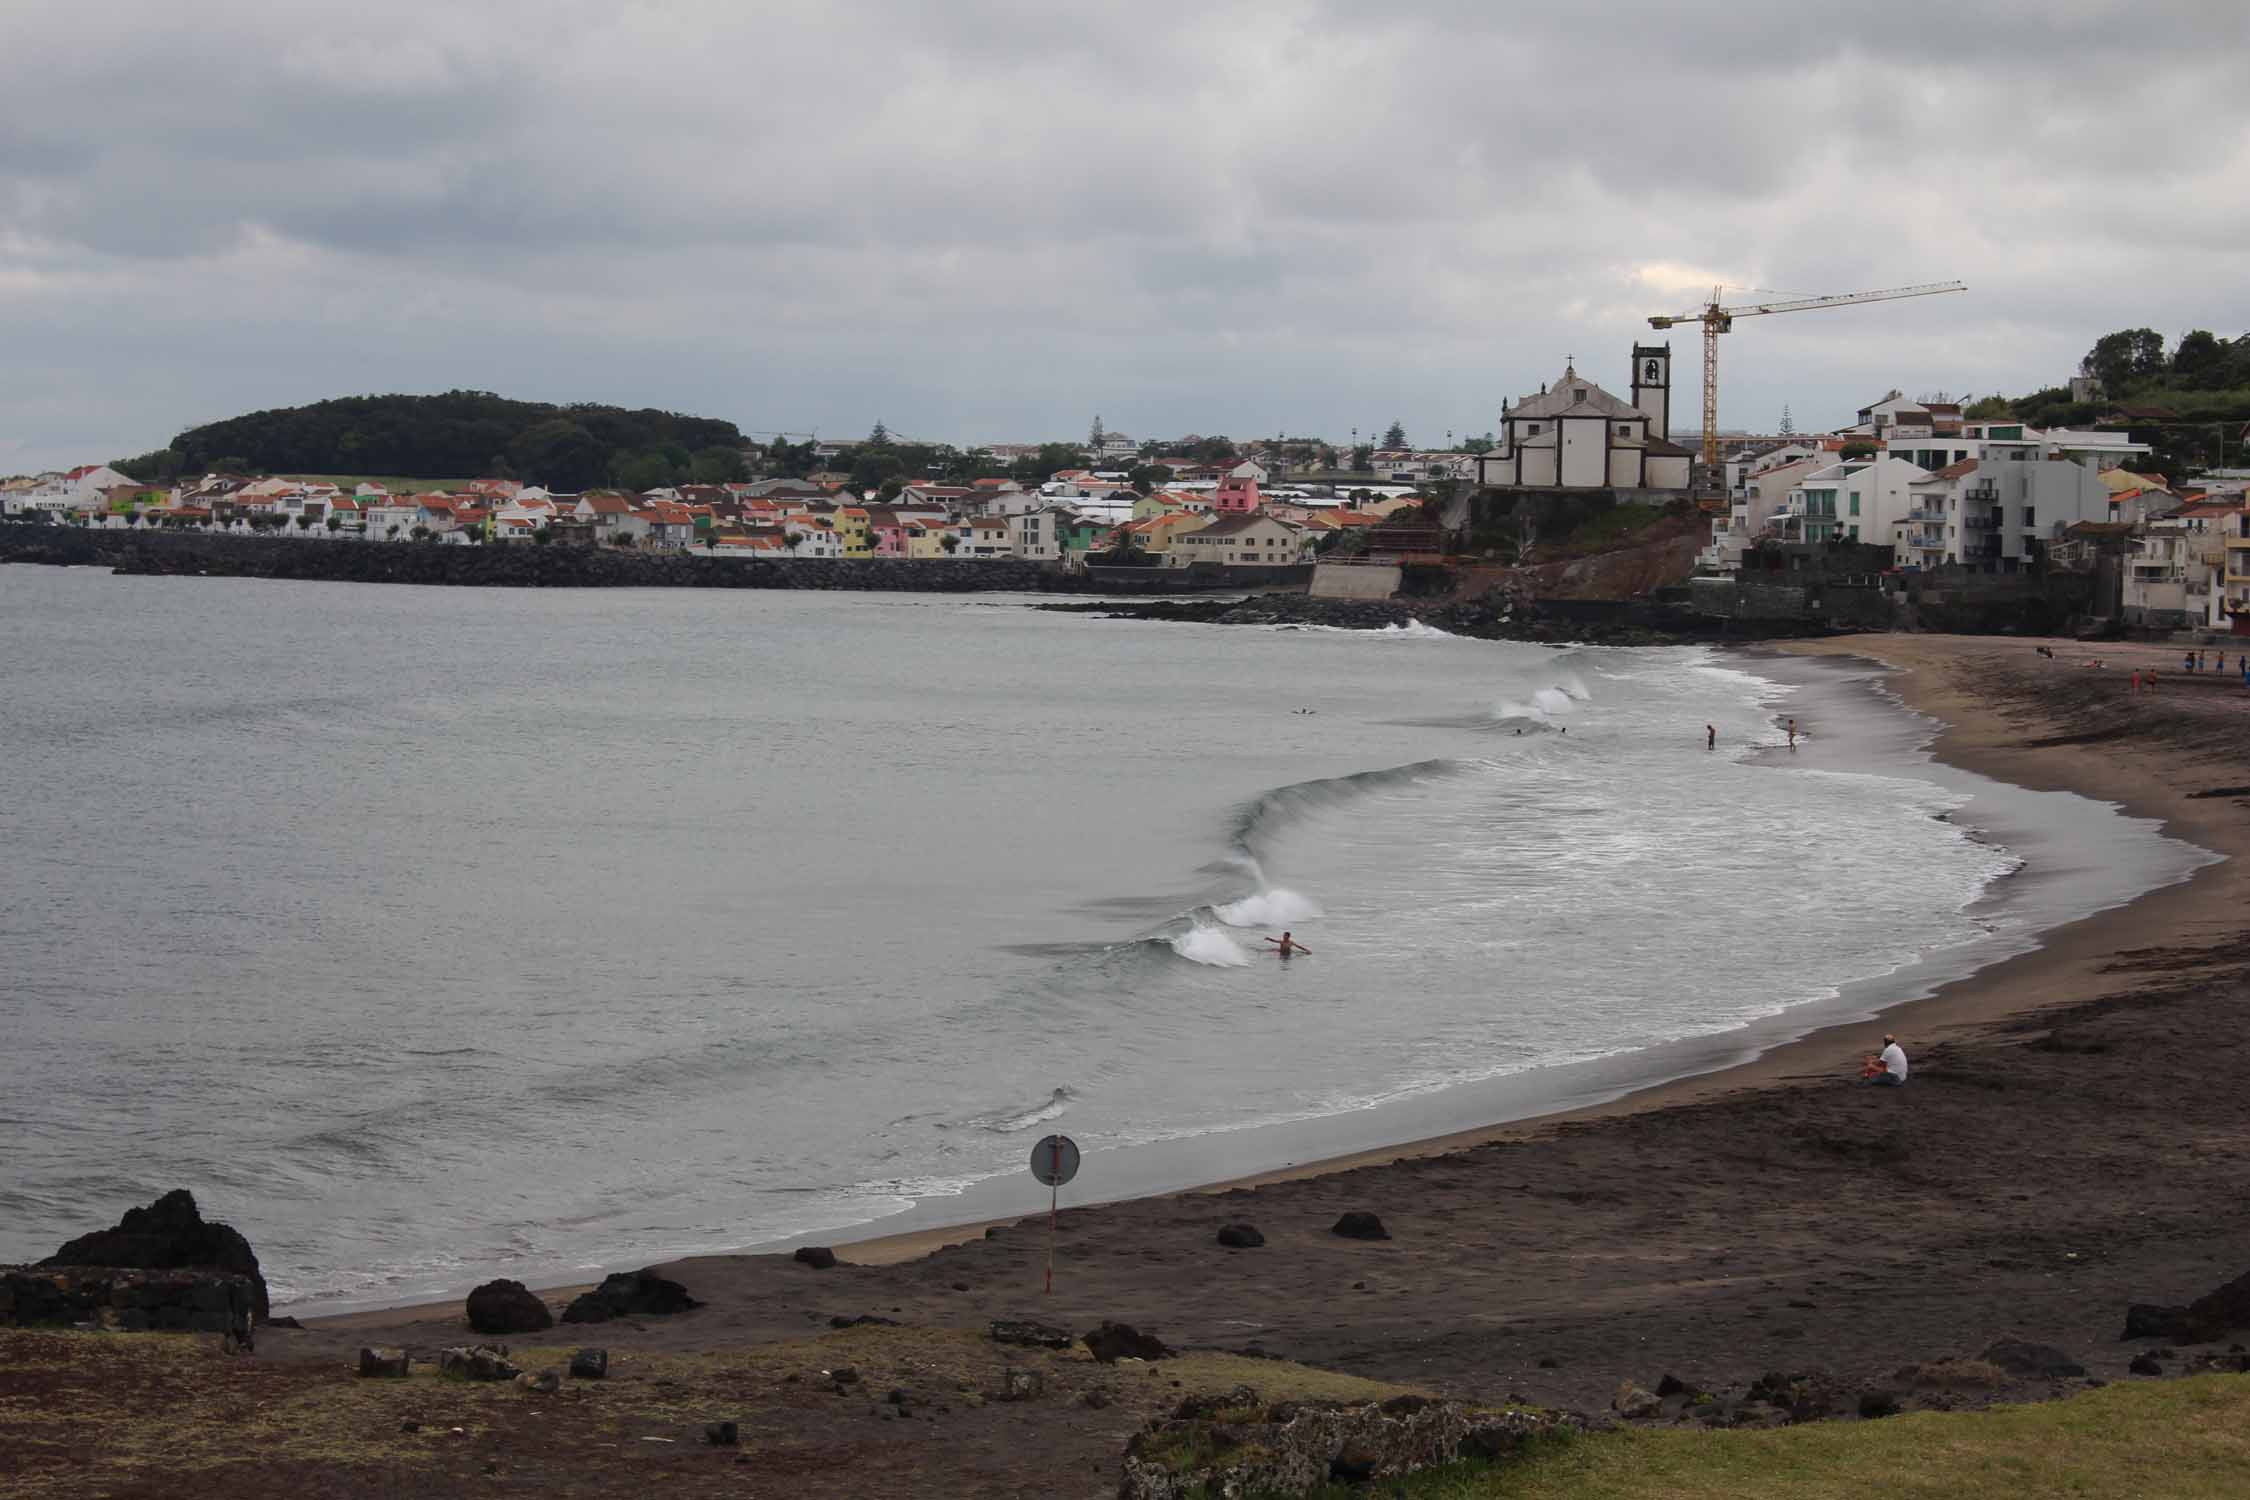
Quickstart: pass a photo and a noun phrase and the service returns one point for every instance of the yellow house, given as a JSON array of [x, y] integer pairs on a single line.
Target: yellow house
[[1158, 531], [1158, 504], [855, 528], [925, 540]]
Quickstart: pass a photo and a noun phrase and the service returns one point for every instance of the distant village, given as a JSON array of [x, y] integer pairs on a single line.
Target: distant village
[[1917, 484], [1230, 513]]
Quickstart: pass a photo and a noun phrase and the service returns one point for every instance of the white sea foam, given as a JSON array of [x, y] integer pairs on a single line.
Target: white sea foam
[[1277, 907], [1208, 945], [1008, 1122]]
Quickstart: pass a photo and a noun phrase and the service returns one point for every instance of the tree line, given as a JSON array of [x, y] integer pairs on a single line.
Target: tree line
[[458, 435], [2188, 401]]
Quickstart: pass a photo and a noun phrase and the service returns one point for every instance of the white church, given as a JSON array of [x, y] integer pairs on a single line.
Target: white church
[[1574, 435]]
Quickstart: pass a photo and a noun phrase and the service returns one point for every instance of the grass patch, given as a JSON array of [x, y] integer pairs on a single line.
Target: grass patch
[[87, 1414], [2182, 1439], [1610, 527]]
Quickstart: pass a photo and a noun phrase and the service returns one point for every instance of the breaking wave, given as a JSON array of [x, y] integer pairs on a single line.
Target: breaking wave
[[1546, 704], [1009, 1121], [1277, 906], [1208, 945], [1263, 814]]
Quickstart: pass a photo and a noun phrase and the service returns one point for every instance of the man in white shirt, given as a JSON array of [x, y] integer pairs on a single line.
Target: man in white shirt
[[1893, 1059]]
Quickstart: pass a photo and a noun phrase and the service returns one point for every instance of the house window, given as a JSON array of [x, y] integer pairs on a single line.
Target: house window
[[1533, 429], [1855, 510], [2030, 515]]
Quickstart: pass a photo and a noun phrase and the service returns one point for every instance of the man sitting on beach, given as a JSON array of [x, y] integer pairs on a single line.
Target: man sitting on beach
[[1887, 1069]]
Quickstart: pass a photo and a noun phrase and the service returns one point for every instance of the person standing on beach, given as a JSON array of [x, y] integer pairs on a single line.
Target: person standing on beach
[[1711, 735], [1792, 734], [1893, 1059]]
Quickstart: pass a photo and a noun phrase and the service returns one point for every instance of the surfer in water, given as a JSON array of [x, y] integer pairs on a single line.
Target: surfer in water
[[1285, 945]]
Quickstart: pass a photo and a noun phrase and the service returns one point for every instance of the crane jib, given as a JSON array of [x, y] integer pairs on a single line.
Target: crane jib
[[1717, 319]]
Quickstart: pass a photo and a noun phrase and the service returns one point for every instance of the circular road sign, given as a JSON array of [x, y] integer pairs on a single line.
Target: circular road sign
[[1054, 1161]]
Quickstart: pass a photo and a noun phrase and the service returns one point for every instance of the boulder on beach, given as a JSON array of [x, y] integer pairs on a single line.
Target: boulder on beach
[[1115, 1341], [170, 1234], [629, 1294], [2209, 1317], [819, 1257], [589, 1364], [1241, 1237], [1360, 1225], [478, 1362], [2043, 1361], [507, 1307]]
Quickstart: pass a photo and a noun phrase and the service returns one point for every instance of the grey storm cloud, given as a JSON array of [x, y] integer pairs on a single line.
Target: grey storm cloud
[[991, 218]]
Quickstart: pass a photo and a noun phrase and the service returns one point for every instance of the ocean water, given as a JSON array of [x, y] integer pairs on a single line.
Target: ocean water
[[430, 935]]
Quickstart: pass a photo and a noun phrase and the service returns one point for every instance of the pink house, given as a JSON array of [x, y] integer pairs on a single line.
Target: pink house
[[1237, 496]]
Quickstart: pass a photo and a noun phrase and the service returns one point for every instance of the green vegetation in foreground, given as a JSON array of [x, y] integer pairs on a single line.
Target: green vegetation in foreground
[[2183, 1439]]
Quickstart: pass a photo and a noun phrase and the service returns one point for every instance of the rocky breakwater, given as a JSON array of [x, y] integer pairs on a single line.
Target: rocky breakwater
[[1493, 616], [519, 565]]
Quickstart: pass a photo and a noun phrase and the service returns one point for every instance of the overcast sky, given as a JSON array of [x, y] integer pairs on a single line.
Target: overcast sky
[[988, 220]]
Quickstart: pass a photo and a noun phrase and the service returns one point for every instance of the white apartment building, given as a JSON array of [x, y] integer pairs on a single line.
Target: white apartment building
[[1762, 497], [2000, 487], [1860, 500], [1037, 537]]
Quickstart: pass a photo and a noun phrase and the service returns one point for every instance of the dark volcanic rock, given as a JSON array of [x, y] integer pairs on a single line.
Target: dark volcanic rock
[[590, 1364], [507, 1307], [1878, 1403], [2145, 1364], [629, 1294], [1360, 1225], [2149, 1320], [1115, 1341], [478, 1362], [722, 1434], [2020, 1358], [1026, 1334], [1241, 1237], [2219, 1313], [170, 1234], [819, 1257]]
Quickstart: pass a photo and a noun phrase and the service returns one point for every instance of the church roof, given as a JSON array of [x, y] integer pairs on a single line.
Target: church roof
[[1573, 395]]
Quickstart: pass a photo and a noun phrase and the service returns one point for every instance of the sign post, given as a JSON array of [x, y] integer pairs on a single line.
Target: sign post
[[1054, 1161]]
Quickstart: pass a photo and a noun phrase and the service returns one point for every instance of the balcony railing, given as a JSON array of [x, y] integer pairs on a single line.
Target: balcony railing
[[1926, 515], [1980, 523]]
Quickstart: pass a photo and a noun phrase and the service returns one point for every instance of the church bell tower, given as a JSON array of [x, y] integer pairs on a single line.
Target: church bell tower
[[1652, 386]]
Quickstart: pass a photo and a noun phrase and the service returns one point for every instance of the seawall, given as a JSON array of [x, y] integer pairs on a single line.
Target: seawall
[[516, 565]]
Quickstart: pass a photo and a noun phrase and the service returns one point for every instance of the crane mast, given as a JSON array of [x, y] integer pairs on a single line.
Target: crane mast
[[1717, 318]]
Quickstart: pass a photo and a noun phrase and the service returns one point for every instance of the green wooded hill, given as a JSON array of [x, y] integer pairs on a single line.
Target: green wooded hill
[[2190, 402], [456, 433]]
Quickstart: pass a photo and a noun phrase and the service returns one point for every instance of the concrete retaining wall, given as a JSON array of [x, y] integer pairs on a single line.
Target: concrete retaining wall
[[1356, 581]]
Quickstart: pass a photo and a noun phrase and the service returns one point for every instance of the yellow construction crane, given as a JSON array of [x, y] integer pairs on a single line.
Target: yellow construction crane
[[1717, 320]]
